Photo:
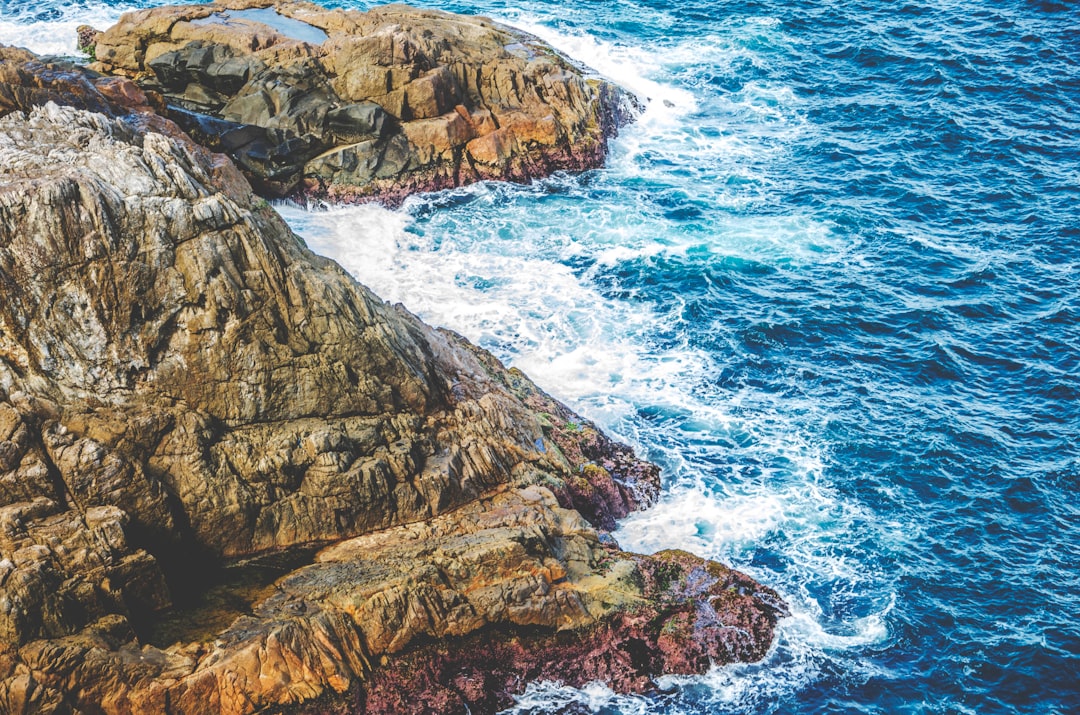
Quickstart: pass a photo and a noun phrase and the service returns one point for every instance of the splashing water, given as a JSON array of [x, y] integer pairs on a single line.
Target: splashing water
[[828, 281]]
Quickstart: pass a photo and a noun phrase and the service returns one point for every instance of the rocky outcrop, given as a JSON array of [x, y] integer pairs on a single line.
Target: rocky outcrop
[[685, 615], [347, 105], [186, 390]]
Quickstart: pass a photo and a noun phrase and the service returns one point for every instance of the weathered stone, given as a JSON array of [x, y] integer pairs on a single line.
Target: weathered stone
[[492, 149], [672, 595], [215, 66], [529, 111], [354, 123], [432, 94], [435, 139], [87, 38], [184, 385]]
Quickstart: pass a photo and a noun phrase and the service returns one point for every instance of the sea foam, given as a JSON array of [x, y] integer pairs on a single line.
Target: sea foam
[[533, 273], [56, 35]]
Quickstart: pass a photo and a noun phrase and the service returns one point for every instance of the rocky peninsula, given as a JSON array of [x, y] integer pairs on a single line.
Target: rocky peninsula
[[232, 479]]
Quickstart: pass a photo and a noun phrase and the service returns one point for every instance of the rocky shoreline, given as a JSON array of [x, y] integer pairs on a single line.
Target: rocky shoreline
[[186, 391], [351, 106]]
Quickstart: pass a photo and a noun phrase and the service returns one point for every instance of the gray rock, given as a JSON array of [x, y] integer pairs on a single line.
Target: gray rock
[[354, 123]]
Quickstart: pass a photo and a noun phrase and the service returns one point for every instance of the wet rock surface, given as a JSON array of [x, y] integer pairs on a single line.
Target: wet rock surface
[[345, 106], [183, 385]]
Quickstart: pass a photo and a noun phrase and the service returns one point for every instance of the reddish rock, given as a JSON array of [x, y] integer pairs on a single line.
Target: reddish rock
[[693, 614]]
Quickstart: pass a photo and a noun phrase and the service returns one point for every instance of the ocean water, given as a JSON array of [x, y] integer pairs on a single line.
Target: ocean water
[[830, 282]]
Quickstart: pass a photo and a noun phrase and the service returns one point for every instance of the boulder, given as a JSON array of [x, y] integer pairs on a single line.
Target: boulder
[[420, 99]]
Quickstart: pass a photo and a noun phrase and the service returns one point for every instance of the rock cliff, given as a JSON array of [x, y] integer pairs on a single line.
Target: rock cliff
[[188, 396], [348, 105]]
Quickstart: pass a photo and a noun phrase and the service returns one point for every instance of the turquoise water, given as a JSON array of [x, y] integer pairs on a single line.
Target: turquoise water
[[829, 281]]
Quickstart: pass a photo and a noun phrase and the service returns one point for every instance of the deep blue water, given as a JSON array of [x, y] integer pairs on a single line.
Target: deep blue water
[[829, 282]]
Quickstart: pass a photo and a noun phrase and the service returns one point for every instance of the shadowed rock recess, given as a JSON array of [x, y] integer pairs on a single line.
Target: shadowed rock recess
[[348, 105], [232, 480]]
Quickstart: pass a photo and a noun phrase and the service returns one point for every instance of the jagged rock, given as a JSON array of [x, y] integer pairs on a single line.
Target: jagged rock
[[87, 39], [25, 82], [184, 384], [684, 615], [382, 104]]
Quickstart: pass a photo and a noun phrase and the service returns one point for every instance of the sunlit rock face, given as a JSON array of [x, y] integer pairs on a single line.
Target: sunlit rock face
[[184, 386], [346, 105]]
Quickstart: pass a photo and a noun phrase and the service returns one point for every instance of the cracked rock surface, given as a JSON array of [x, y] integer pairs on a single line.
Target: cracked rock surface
[[347, 105], [186, 391]]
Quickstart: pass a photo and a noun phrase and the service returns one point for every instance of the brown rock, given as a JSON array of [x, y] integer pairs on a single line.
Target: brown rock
[[434, 139], [528, 111], [191, 403], [677, 595]]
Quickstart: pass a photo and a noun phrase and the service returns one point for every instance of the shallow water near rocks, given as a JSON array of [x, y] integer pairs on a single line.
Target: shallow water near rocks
[[829, 281], [287, 26]]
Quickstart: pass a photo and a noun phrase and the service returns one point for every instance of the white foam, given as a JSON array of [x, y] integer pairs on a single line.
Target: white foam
[[674, 131], [505, 294], [694, 520], [57, 36], [548, 696], [794, 662]]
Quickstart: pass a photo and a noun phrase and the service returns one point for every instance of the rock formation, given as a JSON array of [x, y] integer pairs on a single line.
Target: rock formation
[[346, 105], [186, 392]]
